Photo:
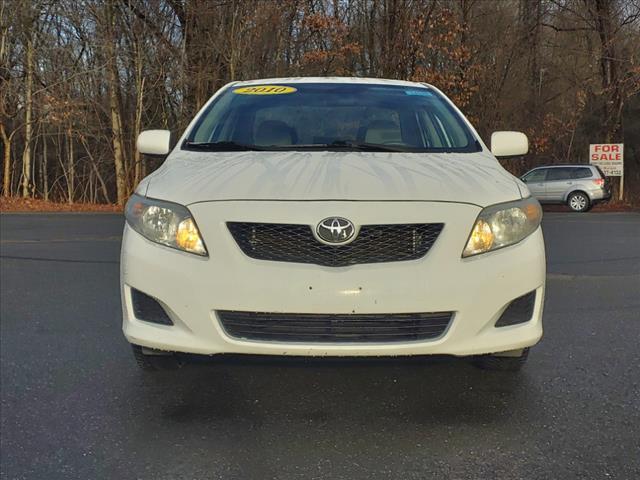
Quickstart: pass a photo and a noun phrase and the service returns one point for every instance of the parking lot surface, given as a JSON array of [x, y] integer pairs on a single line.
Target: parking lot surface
[[74, 404]]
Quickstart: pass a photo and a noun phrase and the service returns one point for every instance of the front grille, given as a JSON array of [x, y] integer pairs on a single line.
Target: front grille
[[282, 242], [334, 328]]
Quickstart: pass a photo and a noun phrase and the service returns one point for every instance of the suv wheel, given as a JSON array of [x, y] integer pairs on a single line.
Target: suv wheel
[[152, 362], [578, 202], [507, 362]]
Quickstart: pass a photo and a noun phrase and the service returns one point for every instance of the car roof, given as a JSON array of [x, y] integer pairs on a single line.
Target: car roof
[[352, 80], [564, 165]]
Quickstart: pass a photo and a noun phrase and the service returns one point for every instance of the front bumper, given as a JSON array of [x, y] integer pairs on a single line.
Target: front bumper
[[192, 289]]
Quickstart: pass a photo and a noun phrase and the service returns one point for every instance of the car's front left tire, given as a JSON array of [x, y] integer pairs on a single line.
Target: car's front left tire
[[152, 362]]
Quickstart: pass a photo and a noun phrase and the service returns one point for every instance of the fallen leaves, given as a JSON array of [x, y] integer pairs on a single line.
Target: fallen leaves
[[600, 207], [16, 204]]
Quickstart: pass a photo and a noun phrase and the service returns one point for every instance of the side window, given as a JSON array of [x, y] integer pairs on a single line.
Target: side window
[[535, 176], [559, 174], [582, 172]]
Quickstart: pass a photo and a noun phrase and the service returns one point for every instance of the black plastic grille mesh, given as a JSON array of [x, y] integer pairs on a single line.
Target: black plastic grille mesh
[[282, 242], [334, 328], [518, 311]]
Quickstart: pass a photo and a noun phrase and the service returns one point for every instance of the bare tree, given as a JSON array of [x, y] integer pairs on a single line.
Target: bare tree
[[79, 79]]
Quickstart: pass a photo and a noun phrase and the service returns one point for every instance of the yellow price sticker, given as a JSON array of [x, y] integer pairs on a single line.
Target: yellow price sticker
[[264, 90]]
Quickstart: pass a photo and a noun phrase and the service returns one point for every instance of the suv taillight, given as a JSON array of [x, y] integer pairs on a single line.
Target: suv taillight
[[599, 181]]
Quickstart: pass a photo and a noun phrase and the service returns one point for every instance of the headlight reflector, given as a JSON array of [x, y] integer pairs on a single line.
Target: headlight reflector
[[165, 223], [502, 225], [188, 237]]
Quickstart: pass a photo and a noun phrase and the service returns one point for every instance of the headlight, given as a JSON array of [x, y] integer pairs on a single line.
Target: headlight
[[503, 225], [166, 223]]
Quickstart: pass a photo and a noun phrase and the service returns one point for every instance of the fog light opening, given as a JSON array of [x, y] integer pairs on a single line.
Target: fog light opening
[[148, 309], [519, 310]]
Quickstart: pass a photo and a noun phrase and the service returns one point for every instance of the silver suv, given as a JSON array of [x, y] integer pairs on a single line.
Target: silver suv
[[578, 186]]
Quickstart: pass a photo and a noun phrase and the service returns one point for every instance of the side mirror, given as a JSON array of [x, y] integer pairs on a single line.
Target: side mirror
[[154, 142], [509, 144]]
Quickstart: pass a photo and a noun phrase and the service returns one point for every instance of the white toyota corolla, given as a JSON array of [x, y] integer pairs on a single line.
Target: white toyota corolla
[[332, 217]]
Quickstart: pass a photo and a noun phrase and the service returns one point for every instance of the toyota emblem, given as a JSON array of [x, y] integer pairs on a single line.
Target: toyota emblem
[[335, 230]]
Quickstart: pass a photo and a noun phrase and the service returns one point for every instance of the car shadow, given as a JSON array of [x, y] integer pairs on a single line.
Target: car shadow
[[416, 391]]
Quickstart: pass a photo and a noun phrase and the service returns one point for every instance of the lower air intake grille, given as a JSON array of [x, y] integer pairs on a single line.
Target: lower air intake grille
[[282, 242], [325, 328], [148, 309], [519, 310]]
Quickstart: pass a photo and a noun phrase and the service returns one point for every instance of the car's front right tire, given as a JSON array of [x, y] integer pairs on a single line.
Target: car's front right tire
[[511, 362], [153, 362]]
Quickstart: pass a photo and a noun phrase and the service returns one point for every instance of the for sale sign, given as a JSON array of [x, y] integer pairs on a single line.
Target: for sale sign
[[609, 157]]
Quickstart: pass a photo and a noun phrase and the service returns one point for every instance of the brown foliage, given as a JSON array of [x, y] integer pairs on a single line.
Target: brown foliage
[[332, 52], [440, 56]]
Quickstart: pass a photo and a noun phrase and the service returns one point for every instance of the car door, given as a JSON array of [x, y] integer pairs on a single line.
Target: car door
[[559, 180], [535, 181]]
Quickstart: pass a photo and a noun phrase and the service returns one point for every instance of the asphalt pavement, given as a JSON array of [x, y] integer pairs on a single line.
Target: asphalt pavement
[[75, 406]]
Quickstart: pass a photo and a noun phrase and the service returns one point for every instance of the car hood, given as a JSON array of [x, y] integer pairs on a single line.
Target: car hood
[[188, 177]]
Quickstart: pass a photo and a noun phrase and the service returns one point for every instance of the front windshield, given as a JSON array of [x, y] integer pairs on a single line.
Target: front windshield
[[299, 116]]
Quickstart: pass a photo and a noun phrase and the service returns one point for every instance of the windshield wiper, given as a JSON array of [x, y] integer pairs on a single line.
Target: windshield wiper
[[229, 146], [220, 146], [341, 145], [364, 146]]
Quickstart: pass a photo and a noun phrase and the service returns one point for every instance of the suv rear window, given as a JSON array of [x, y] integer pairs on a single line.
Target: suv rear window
[[602, 175], [560, 173], [582, 172]]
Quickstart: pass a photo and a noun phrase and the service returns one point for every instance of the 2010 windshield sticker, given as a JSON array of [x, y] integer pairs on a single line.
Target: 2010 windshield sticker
[[264, 90]]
